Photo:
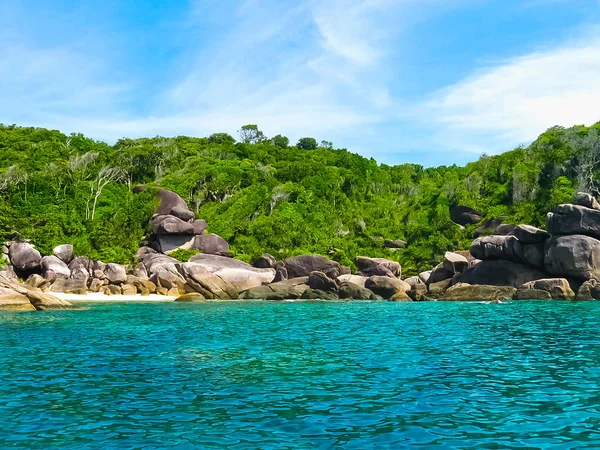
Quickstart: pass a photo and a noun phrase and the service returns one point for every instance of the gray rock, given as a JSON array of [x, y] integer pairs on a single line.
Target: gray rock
[[354, 279], [497, 247], [169, 243], [414, 282], [589, 290], [241, 275], [386, 287], [210, 244], [71, 285], [53, 268], [439, 273], [266, 261], [533, 255], [81, 262], [424, 276], [396, 243], [200, 226], [500, 273], [558, 288], [165, 225], [303, 265], [530, 235], [378, 266], [283, 290], [351, 291], [504, 229], [489, 227], [173, 204], [573, 219], [199, 279], [454, 263], [35, 280], [574, 256], [64, 252], [463, 215], [532, 294], [586, 200], [467, 292], [24, 256], [44, 302], [115, 273], [320, 281], [317, 294]]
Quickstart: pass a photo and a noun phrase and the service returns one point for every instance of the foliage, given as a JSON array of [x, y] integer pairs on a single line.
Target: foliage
[[184, 255], [264, 196]]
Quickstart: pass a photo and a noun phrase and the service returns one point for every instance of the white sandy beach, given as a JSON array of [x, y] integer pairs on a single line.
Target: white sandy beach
[[99, 297]]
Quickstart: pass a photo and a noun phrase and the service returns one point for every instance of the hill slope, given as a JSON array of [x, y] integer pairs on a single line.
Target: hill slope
[[265, 196]]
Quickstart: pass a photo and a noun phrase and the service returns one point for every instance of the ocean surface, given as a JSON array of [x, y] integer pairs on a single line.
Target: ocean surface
[[302, 375]]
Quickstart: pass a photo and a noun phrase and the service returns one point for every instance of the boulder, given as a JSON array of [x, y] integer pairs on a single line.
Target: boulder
[[396, 243], [169, 277], [193, 297], [200, 226], [558, 288], [533, 255], [44, 302], [238, 273], [504, 229], [467, 292], [489, 227], [574, 219], [82, 263], [266, 261], [414, 282], [454, 263], [351, 291], [320, 281], [439, 274], [169, 243], [354, 279], [586, 200], [436, 290], [417, 293], [129, 289], [497, 247], [211, 286], [530, 235], [532, 294], [499, 273], [424, 276], [24, 257], [96, 285], [35, 280], [317, 294], [303, 265], [64, 252], [210, 244], [112, 289], [115, 273], [589, 290], [282, 290], [146, 285], [13, 301], [463, 215], [386, 287], [54, 268], [400, 296], [378, 267], [165, 225], [141, 272], [69, 286], [574, 256], [173, 204]]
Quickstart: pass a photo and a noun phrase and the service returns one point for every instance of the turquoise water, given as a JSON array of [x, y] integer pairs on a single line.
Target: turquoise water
[[302, 375]]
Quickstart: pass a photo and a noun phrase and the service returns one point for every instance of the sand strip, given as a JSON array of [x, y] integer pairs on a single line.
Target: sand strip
[[99, 297]]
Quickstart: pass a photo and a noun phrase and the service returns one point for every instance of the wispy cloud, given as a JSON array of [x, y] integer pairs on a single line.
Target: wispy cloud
[[513, 101]]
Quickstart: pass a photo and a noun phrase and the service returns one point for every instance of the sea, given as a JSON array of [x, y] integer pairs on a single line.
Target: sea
[[302, 375]]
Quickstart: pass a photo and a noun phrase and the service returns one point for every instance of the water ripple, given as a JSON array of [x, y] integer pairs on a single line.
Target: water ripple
[[302, 375]]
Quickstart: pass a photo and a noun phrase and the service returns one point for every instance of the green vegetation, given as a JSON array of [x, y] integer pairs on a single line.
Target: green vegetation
[[262, 195], [184, 255]]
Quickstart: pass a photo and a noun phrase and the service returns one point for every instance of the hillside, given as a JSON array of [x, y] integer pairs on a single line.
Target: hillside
[[263, 195]]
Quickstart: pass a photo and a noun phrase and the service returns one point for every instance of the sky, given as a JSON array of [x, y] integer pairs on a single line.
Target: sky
[[423, 81]]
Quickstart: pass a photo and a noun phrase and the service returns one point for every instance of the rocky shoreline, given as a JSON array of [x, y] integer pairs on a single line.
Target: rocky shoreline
[[523, 262]]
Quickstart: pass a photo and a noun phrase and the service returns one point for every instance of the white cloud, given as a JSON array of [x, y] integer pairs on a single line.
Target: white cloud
[[512, 102]]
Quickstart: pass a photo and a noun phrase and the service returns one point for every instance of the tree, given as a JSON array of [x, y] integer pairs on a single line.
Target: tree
[[280, 141], [327, 145], [105, 176], [307, 143], [221, 138], [250, 134]]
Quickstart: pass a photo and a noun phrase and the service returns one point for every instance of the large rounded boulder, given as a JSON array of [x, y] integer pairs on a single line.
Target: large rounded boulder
[[24, 257], [576, 256]]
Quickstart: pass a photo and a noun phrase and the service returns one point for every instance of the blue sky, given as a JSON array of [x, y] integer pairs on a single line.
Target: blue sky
[[425, 81]]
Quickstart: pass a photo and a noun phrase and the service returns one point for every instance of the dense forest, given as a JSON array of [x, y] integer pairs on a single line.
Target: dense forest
[[264, 195]]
